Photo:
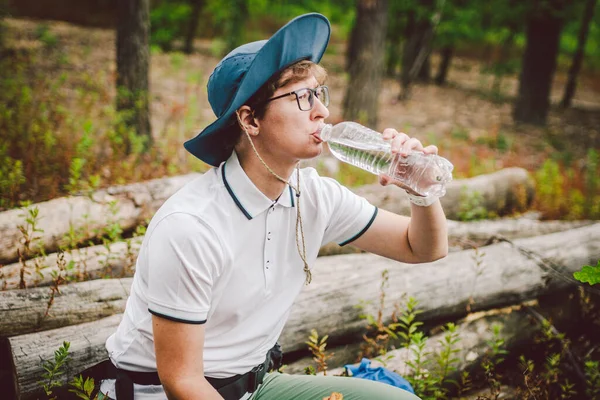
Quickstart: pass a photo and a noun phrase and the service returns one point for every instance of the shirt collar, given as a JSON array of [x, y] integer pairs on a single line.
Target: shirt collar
[[249, 199]]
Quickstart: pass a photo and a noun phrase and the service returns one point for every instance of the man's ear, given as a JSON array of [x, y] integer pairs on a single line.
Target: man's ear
[[247, 121]]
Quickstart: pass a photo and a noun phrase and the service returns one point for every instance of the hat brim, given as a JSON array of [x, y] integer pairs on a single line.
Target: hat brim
[[303, 38]]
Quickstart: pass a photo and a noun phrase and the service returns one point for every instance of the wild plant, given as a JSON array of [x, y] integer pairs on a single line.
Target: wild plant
[[111, 233], [478, 267], [379, 335], [471, 206], [83, 388], [418, 376], [58, 278], [54, 369], [591, 184], [446, 360], [493, 358], [317, 347], [30, 242], [589, 274], [592, 375]]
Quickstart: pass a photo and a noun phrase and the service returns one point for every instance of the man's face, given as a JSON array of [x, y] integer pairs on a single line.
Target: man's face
[[288, 134]]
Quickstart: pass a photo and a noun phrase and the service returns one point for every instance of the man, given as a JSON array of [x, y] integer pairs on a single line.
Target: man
[[225, 257]]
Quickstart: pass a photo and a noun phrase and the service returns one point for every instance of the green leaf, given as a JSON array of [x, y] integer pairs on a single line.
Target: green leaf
[[589, 274]]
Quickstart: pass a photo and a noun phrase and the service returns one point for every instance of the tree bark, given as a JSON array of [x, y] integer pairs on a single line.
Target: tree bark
[[502, 192], [133, 63], [543, 30], [417, 47], [588, 14], [87, 349], [194, 19], [118, 259], [367, 65], [235, 23], [85, 216], [506, 274], [34, 310], [442, 74]]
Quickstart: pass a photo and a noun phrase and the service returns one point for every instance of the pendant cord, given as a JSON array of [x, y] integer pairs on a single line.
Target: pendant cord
[[300, 244]]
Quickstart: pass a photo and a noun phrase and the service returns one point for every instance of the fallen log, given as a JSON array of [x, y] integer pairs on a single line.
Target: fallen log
[[28, 351], [508, 190], [40, 309], [87, 347], [465, 280], [495, 276], [118, 260], [129, 205], [475, 332], [114, 260], [500, 193]]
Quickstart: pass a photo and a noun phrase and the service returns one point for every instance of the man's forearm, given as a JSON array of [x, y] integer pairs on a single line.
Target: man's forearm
[[428, 232], [188, 389]]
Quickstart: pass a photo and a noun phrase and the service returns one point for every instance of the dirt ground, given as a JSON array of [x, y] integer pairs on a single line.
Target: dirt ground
[[461, 118]]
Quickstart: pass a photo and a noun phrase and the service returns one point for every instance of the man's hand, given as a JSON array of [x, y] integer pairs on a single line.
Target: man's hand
[[403, 145]]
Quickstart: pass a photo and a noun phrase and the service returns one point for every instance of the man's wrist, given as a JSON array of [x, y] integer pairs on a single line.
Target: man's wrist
[[422, 201]]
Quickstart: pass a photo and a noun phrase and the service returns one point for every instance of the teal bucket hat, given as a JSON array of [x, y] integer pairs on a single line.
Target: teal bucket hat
[[245, 69]]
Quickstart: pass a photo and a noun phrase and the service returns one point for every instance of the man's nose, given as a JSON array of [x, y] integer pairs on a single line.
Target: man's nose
[[319, 110]]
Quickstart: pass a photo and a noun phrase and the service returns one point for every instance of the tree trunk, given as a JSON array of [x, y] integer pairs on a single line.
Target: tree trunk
[[442, 74], [417, 48], [133, 63], [424, 74], [392, 54], [579, 53], [464, 282], [235, 24], [367, 65], [197, 5], [543, 30]]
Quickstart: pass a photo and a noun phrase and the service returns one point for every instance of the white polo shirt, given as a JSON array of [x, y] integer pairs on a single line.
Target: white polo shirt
[[220, 253]]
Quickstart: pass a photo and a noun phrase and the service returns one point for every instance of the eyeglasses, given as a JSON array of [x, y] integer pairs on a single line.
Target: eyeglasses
[[306, 97]]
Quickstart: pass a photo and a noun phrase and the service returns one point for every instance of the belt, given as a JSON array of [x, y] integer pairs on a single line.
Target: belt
[[232, 388]]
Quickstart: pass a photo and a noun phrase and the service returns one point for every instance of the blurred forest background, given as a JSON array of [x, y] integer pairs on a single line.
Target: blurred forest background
[[494, 84], [98, 93]]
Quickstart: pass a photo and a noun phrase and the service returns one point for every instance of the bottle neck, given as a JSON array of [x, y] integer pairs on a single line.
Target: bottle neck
[[325, 133]]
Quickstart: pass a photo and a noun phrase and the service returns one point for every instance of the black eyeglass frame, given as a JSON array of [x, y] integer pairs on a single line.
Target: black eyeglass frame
[[313, 94]]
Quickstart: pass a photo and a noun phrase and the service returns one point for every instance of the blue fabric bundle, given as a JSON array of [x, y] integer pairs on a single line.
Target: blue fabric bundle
[[379, 374]]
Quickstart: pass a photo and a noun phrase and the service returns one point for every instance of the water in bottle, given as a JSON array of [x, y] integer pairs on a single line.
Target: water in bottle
[[424, 174]]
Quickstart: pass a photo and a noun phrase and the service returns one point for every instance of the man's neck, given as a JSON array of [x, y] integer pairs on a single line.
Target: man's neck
[[262, 178]]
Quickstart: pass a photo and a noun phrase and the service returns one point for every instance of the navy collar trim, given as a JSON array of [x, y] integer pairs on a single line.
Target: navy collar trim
[[233, 196]]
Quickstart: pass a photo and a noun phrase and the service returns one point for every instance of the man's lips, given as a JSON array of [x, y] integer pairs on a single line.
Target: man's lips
[[317, 135]]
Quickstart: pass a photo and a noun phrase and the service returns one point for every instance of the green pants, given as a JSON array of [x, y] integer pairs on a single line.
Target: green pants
[[278, 386]]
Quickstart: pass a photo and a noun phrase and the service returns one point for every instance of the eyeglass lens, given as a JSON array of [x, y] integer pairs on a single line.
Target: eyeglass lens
[[306, 99]]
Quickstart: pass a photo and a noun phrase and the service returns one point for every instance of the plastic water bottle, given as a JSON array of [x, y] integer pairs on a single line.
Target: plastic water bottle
[[424, 174]]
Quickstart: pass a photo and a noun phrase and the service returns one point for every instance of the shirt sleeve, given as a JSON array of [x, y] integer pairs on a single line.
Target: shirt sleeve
[[184, 261], [349, 215]]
